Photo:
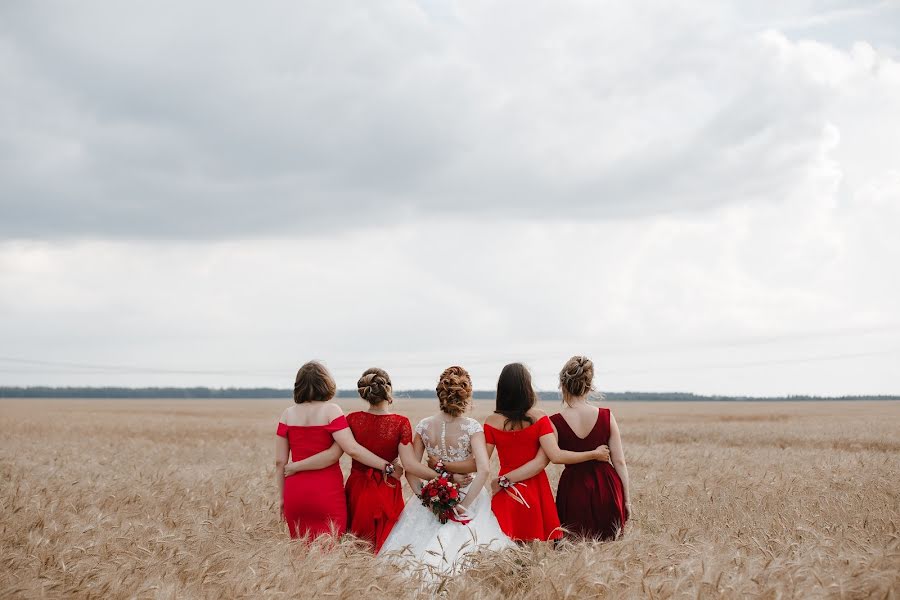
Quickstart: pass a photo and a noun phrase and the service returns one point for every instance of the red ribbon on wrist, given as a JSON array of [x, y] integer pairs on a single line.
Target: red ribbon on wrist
[[456, 519]]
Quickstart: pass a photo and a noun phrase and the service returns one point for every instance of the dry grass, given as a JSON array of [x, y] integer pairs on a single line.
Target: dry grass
[[164, 499]]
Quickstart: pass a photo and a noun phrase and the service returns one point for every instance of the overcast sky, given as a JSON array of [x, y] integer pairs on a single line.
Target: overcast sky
[[701, 196]]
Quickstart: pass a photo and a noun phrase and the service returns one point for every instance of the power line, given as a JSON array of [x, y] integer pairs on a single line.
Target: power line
[[132, 369], [89, 368]]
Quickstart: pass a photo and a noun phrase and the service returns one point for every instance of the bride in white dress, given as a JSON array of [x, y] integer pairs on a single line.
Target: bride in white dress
[[419, 540]]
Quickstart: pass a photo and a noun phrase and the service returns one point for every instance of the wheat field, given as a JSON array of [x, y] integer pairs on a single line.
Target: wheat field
[[175, 499]]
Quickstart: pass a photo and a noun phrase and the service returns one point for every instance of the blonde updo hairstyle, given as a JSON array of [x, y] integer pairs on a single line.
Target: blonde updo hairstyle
[[576, 379], [375, 386], [454, 391]]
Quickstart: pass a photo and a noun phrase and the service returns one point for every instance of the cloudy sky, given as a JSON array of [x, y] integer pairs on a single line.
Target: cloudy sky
[[702, 196]]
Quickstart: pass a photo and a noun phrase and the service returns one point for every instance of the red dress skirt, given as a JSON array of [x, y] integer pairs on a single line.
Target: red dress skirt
[[373, 504], [314, 500], [589, 497], [526, 512]]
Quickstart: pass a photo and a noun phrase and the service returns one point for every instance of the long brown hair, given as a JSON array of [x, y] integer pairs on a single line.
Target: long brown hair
[[515, 396]]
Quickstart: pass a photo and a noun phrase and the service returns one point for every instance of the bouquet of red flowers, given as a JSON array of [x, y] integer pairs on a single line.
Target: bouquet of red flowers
[[441, 495]]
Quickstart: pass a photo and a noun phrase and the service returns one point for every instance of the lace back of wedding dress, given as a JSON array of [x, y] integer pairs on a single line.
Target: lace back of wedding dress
[[448, 439]]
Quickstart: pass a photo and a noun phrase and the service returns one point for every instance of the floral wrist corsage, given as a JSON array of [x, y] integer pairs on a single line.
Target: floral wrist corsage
[[441, 470]]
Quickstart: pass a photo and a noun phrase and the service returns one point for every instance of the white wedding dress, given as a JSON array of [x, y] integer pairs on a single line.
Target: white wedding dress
[[419, 541]]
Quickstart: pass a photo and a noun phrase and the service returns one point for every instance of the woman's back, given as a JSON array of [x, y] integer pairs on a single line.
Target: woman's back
[[516, 443], [310, 414], [448, 438], [589, 496], [308, 428], [313, 500], [582, 430], [373, 503], [380, 433], [526, 511]]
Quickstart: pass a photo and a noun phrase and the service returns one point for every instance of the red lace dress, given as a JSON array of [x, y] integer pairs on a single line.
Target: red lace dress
[[314, 500], [373, 504], [589, 497], [530, 514]]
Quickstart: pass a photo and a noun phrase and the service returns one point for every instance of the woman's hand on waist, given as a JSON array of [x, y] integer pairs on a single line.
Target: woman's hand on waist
[[462, 479], [602, 453]]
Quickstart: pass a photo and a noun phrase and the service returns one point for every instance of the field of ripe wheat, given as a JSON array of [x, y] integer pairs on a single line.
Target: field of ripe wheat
[[166, 499]]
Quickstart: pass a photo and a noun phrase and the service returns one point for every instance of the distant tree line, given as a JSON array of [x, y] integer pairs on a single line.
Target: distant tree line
[[224, 393], [147, 392]]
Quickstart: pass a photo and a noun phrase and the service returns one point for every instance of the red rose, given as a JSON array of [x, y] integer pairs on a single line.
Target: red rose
[[432, 492], [442, 481], [454, 494]]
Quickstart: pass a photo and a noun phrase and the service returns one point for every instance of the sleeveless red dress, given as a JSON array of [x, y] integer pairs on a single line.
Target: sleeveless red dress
[[538, 519], [373, 504], [314, 500], [589, 497]]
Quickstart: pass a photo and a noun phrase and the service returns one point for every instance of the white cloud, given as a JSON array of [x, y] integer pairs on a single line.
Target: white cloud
[[168, 122]]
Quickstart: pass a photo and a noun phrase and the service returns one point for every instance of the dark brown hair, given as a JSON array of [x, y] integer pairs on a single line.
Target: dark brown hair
[[515, 395], [454, 391], [577, 377], [375, 386], [313, 383]]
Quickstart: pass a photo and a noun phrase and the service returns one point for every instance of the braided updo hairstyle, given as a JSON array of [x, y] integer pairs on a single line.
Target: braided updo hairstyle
[[577, 377], [375, 386], [454, 391]]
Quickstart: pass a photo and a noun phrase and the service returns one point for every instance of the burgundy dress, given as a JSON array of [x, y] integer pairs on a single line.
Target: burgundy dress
[[589, 498], [373, 504], [314, 501]]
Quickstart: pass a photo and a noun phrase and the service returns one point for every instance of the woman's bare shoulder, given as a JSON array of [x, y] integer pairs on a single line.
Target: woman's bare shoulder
[[536, 413], [495, 420], [332, 410]]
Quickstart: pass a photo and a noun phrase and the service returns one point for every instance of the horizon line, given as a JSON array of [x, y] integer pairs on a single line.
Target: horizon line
[[259, 393]]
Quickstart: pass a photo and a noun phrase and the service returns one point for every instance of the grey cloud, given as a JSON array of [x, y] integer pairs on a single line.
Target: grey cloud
[[204, 121]]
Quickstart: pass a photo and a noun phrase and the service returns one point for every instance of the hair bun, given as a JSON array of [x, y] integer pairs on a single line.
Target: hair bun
[[374, 386], [577, 377], [454, 390]]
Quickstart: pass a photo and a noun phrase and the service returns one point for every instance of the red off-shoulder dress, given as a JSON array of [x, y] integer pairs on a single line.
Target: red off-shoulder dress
[[589, 497], [531, 516], [314, 500], [373, 503]]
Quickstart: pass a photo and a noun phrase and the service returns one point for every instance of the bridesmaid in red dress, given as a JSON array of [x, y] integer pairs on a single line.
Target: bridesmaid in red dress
[[592, 498], [374, 505], [374, 502], [522, 434], [313, 502]]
